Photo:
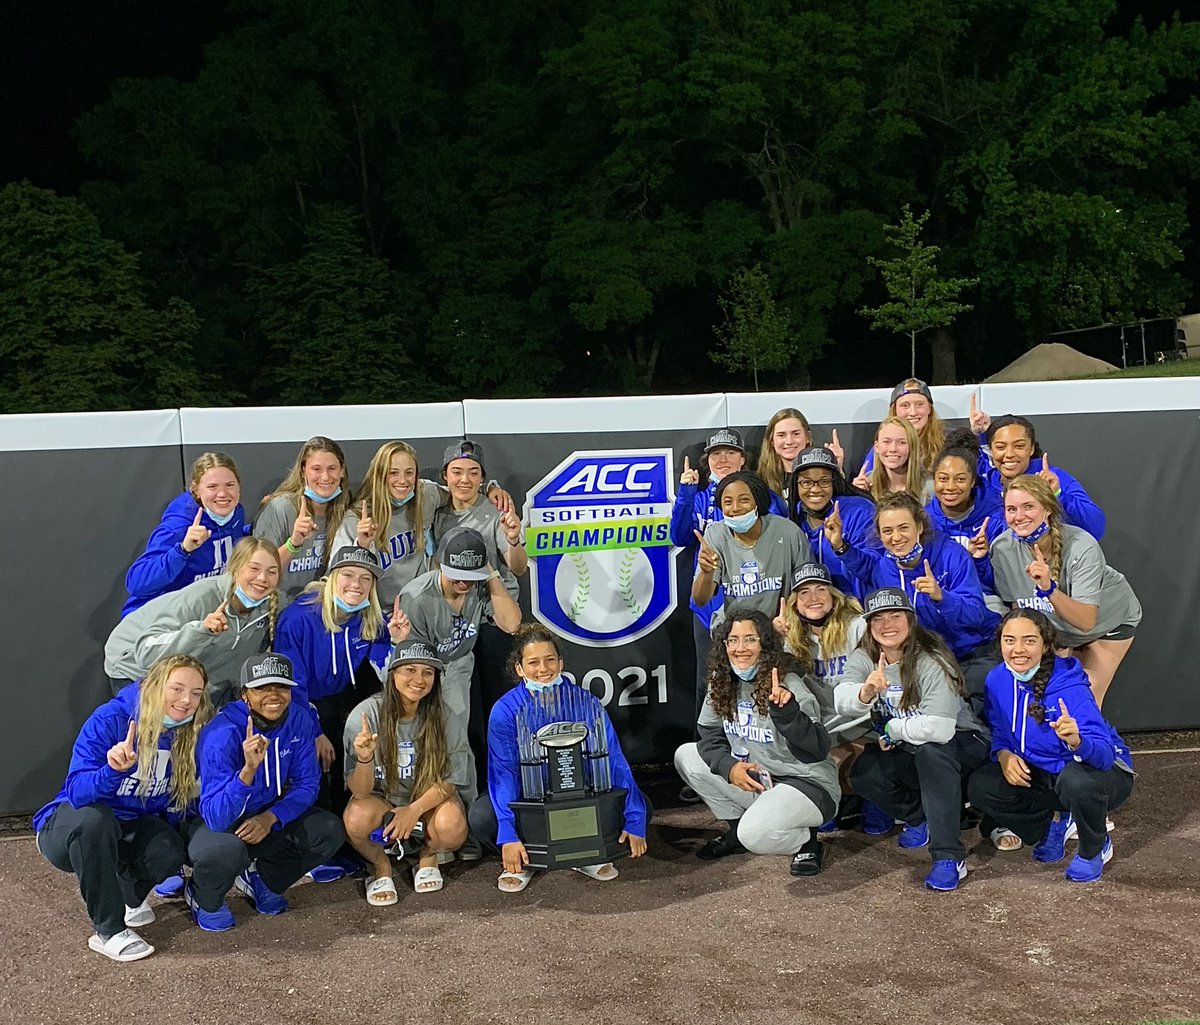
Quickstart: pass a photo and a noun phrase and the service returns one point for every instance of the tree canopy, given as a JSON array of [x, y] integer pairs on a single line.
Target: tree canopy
[[387, 201]]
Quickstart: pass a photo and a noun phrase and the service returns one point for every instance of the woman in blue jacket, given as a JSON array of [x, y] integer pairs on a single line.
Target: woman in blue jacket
[[963, 507], [936, 575], [1059, 768], [338, 645], [196, 536], [817, 483], [259, 829], [113, 821], [1013, 450]]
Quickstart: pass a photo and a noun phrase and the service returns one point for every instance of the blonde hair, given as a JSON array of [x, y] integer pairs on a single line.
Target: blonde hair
[[914, 470], [932, 436], [834, 635], [374, 491], [323, 590], [243, 552], [293, 486], [770, 466], [210, 461], [185, 781], [1040, 492]]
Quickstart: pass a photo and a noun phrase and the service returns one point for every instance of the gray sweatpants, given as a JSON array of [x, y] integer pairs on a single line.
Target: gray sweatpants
[[776, 821], [456, 699]]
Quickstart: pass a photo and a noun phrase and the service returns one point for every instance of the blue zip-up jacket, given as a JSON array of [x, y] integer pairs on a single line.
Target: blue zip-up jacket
[[694, 509], [1006, 708], [504, 766], [324, 663], [961, 618], [286, 782], [986, 505], [1075, 501], [858, 527], [90, 779], [164, 565]]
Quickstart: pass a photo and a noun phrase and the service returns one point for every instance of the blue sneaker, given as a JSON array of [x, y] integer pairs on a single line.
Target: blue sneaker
[[221, 920], [915, 836], [170, 887], [829, 827], [1053, 846], [265, 900], [946, 875], [1089, 870], [876, 821]]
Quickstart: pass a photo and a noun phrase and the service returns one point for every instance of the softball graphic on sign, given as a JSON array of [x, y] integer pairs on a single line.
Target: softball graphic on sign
[[601, 560]]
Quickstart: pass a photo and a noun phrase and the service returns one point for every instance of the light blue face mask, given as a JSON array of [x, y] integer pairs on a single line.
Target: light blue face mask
[[746, 674], [741, 524], [1026, 676], [312, 496], [351, 608], [170, 724], [536, 688], [1035, 537], [246, 600], [400, 503], [220, 521], [916, 553]]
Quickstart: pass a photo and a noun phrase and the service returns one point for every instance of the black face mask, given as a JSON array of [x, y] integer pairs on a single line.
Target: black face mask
[[261, 724], [817, 622]]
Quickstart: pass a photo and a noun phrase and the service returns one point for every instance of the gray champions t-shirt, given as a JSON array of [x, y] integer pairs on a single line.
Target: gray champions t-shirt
[[755, 738], [1085, 576], [484, 517], [828, 670], [274, 523], [402, 555], [406, 751], [755, 575], [935, 693]]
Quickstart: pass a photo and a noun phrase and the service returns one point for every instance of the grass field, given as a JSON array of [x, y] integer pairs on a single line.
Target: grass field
[[1180, 368]]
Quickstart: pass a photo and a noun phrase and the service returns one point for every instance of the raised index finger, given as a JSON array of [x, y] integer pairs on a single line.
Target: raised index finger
[[687, 465], [928, 571], [1062, 707], [974, 408], [364, 510], [366, 726], [882, 662], [304, 506], [249, 727], [700, 538], [222, 607], [199, 513], [775, 679], [983, 527], [129, 737]]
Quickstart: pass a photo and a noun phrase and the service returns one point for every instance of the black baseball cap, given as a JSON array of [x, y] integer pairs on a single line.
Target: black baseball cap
[[352, 555], [415, 650], [465, 449], [814, 458], [886, 599], [809, 572], [910, 386], [726, 437], [462, 555], [269, 667]]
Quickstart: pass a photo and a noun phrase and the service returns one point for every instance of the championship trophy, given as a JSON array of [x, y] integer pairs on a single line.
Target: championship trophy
[[569, 814]]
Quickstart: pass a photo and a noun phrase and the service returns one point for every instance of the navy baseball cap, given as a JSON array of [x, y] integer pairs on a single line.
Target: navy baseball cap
[[465, 449], [810, 572], [418, 651], [352, 555], [886, 599], [269, 667]]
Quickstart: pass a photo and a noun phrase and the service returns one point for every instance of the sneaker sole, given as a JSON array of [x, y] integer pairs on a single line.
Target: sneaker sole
[[1073, 829]]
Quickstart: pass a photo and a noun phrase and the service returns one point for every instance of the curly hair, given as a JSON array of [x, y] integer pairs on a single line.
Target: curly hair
[[1037, 710], [723, 684], [919, 642], [527, 634], [758, 489], [1009, 420], [961, 443], [902, 501]]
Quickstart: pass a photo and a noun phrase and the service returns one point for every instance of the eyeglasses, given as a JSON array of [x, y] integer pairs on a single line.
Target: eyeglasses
[[741, 642], [814, 484]]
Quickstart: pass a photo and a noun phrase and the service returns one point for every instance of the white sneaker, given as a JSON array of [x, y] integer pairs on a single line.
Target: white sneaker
[[142, 915], [1073, 828]]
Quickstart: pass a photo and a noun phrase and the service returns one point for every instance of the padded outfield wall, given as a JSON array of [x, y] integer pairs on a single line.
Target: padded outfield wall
[[85, 490]]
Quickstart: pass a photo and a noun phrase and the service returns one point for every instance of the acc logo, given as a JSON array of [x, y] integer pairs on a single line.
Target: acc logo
[[601, 566]]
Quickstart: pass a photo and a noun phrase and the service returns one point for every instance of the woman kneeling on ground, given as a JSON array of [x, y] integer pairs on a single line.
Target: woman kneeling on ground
[[762, 763], [930, 740], [113, 822], [1059, 766], [538, 664], [404, 764]]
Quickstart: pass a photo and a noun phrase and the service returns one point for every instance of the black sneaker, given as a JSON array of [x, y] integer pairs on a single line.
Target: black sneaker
[[689, 796], [809, 860], [721, 847]]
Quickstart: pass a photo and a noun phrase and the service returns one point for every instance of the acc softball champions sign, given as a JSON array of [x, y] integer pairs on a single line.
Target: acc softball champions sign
[[601, 562]]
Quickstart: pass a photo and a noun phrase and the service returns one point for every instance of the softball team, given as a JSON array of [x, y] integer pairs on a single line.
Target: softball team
[[246, 669]]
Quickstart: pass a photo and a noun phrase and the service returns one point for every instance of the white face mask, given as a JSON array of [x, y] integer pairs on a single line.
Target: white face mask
[[536, 688], [743, 523], [220, 521]]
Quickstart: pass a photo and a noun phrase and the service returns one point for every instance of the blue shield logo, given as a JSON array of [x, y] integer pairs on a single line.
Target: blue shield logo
[[601, 561]]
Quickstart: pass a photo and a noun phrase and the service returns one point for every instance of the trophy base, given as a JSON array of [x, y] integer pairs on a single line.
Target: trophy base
[[570, 832]]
